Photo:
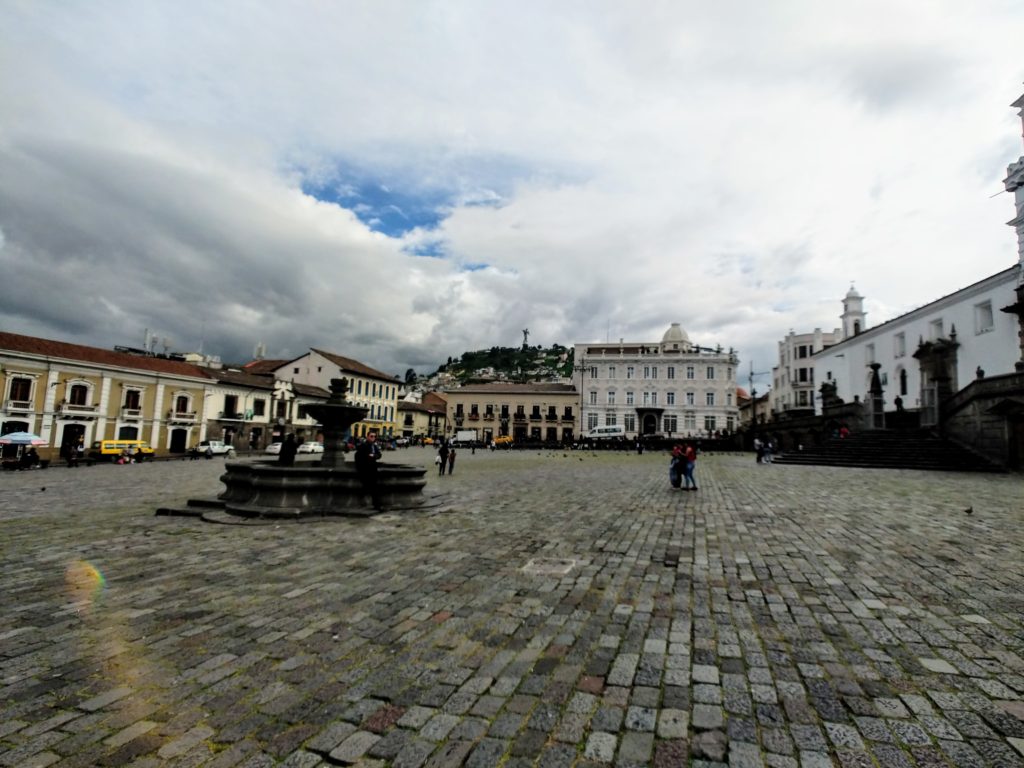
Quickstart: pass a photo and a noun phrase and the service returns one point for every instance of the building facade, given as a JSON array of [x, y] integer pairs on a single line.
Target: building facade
[[250, 411], [367, 387], [931, 352], [793, 386], [69, 393], [670, 388], [426, 416], [534, 412]]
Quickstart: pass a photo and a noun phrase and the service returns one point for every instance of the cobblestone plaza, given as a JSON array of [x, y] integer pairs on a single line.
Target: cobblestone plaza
[[558, 609]]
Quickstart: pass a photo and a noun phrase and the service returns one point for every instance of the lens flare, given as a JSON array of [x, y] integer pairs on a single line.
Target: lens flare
[[84, 581]]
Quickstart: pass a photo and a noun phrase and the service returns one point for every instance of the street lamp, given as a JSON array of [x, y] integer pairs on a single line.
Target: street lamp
[[581, 368], [753, 395]]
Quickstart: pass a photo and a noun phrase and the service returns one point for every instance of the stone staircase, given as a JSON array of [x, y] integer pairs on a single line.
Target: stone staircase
[[897, 449]]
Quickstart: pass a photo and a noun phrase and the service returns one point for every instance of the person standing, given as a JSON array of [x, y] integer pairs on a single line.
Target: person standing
[[289, 448], [675, 467], [689, 464], [367, 456], [442, 452], [451, 459]]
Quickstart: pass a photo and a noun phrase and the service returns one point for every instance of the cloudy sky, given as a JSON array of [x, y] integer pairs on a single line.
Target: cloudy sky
[[400, 182]]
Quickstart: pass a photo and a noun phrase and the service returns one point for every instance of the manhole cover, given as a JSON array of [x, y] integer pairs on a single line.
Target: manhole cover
[[549, 566]]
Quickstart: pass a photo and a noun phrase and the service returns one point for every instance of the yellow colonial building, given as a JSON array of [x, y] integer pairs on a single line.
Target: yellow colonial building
[[534, 412], [69, 393]]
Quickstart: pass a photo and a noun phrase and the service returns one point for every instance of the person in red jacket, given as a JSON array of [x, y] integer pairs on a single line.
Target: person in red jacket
[[690, 459]]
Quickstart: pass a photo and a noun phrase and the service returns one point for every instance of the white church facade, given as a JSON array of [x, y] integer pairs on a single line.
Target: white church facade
[[981, 339]]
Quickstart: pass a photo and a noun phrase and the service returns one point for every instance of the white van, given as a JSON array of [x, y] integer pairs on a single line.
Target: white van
[[614, 432]]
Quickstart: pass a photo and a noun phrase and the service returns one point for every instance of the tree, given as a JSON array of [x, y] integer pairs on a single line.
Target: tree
[[410, 376]]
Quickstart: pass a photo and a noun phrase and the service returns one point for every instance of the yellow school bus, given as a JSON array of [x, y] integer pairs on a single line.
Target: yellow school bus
[[112, 450]]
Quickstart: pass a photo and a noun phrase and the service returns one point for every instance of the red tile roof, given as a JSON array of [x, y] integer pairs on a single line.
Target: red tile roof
[[13, 342], [262, 367], [354, 366]]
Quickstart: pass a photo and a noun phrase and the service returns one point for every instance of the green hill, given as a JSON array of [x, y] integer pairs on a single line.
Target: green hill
[[511, 363]]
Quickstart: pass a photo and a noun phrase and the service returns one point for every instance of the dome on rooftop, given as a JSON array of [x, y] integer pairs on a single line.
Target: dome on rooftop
[[675, 333]]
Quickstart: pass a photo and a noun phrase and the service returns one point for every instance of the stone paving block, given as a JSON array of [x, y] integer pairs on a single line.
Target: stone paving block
[[706, 717], [601, 746], [185, 742], [131, 732], [745, 755], [413, 754], [354, 747], [104, 699]]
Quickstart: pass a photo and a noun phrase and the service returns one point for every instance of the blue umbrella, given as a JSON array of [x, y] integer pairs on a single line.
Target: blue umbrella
[[22, 438]]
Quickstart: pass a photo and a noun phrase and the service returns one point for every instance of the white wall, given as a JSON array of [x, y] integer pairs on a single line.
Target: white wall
[[995, 350]]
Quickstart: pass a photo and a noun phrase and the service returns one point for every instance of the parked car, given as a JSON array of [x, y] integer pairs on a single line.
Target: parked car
[[311, 446], [211, 448], [503, 441], [273, 449]]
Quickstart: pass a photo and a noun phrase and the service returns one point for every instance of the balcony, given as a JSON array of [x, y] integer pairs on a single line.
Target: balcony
[[535, 417], [568, 417], [551, 417], [474, 417], [229, 416], [74, 411], [181, 417], [520, 417], [131, 414], [19, 406], [489, 416]]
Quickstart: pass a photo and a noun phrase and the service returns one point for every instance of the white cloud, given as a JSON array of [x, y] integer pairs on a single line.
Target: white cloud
[[614, 168]]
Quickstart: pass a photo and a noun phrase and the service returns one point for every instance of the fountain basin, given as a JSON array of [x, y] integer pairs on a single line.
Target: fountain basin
[[264, 489]]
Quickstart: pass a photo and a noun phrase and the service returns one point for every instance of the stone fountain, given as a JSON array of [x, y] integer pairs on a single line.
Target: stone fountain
[[325, 488]]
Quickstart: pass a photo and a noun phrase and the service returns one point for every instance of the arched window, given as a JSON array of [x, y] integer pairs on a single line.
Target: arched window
[[132, 398], [181, 403], [20, 390], [79, 394]]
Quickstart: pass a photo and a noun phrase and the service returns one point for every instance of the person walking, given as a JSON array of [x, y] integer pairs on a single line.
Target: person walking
[[689, 464], [451, 459], [367, 456]]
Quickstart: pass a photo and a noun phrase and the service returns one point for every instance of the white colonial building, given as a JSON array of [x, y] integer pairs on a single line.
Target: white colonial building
[[966, 328], [367, 387], [793, 378], [671, 387]]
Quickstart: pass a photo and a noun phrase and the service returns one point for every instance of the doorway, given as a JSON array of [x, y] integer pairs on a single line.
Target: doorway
[[179, 441], [71, 436]]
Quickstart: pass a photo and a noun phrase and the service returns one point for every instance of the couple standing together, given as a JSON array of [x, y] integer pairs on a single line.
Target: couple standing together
[[684, 459]]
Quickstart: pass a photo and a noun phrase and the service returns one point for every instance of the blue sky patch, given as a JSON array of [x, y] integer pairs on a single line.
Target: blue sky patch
[[399, 200], [384, 207]]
